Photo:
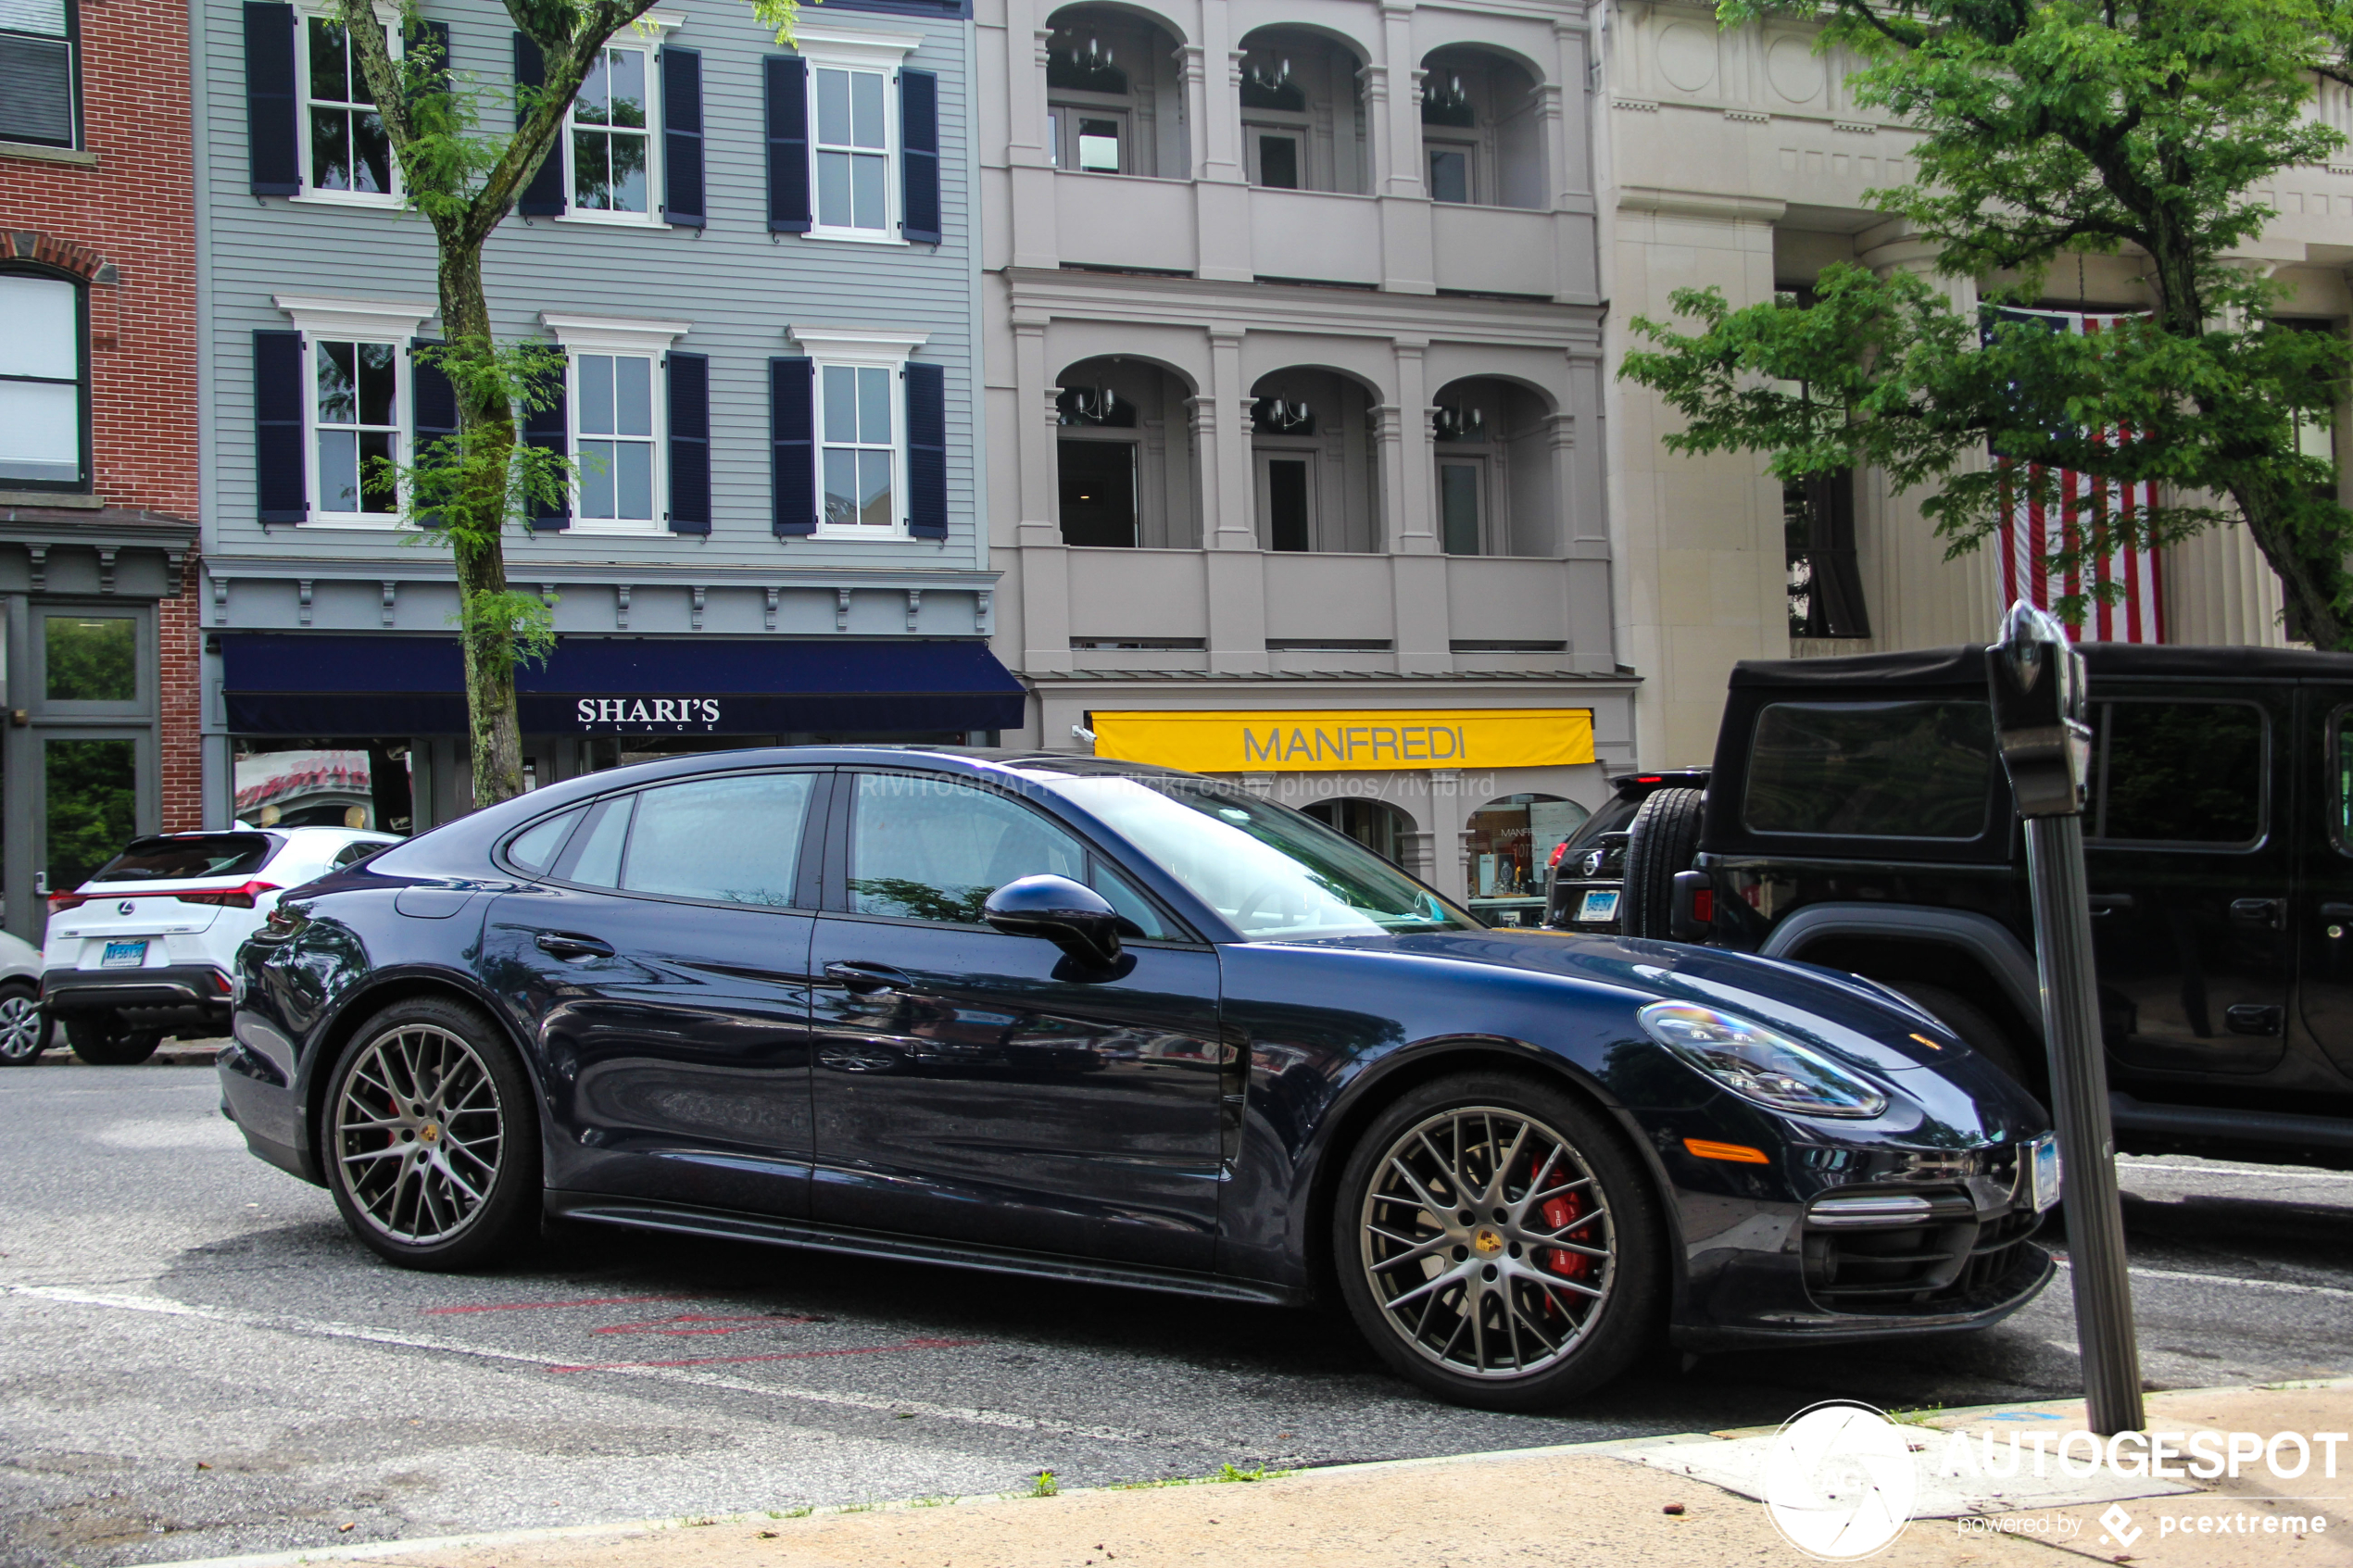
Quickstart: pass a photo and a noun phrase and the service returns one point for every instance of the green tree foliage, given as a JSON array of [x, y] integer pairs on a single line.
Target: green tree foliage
[[464, 179], [2051, 127]]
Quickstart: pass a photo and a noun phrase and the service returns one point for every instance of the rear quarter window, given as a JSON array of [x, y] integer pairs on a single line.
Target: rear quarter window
[[2178, 772], [182, 858], [1871, 770]]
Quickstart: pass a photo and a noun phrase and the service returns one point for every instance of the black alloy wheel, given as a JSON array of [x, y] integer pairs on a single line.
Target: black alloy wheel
[[1497, 1244], [430, 1138], [23, 1029], [1660, 841], [102, 1039]]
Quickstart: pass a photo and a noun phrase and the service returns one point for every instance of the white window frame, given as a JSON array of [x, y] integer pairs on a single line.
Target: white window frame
[[842, 48], [647, 35], [305, 14], [858, 348], [617, 335], [362, 320]]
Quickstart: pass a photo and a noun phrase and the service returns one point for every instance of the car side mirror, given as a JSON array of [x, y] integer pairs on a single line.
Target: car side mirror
[[1071, 915]]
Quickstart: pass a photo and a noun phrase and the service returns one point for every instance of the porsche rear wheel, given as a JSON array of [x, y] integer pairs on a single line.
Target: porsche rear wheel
[[1496, 1242]]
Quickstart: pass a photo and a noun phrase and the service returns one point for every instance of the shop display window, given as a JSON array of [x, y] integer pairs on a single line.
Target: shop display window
[[324, 783], [1506, 844]]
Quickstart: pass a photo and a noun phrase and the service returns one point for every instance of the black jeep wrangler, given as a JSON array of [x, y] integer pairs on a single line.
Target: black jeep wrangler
[[1857, 816]]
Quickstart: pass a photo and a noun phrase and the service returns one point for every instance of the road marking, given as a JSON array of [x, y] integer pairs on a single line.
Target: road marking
[[538, 1306], [1013, 1420], [2286, 1286], [736, 1323], [781, 1355]]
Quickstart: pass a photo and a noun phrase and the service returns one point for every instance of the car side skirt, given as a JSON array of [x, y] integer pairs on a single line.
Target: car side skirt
[[725, 1225]]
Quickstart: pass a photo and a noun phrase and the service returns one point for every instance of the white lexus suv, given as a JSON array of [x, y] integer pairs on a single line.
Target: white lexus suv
[[145, 946]]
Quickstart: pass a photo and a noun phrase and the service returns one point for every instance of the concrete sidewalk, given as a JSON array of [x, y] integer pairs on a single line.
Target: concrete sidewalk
[[1639, 1503]]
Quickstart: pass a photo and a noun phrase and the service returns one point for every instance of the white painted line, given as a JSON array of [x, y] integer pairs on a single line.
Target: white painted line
[[1009, 1420], [2287, 1287]]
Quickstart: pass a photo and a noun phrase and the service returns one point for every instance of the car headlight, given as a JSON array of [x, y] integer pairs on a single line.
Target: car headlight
[[1763, 1066]]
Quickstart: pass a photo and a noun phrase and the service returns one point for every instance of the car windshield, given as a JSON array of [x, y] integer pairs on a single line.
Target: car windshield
[[186, 857], [1270, 871]]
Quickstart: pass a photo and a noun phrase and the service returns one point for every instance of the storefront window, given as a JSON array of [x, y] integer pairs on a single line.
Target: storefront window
[[92, 658], [333, 782], [1380, 828], [1507, 844]]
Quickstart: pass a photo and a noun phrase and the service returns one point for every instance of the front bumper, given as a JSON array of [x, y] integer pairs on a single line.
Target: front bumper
[[198, 989]]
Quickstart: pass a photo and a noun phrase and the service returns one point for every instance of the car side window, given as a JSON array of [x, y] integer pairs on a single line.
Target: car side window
[[534, 849], [933, 849], [593, 855], [2177, 772], [733, 840], [2340, 785], [351, 852], [1132, 905], [1871, 770]]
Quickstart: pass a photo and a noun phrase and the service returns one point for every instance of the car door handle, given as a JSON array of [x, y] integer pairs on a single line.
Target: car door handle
[[569, 945], [2103, 902], [2264, 912], [868, 977]]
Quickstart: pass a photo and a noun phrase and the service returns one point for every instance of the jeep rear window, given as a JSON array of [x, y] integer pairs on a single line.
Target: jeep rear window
[[178, 859], [2177, 772], [1871, 770]]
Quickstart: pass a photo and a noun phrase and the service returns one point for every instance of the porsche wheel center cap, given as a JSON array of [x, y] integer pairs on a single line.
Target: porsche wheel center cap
[[429, 1133], [1488, 1242]]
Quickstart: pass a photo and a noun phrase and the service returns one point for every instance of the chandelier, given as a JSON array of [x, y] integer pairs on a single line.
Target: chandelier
[[1461, 421], [1275, 417], [1088, 406]]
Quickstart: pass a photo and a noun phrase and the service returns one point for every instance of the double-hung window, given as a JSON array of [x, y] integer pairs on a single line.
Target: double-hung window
[[346, 152], [356, 408], [852, 150], [859, 434], [44, 371], [37, 75], [615, 410], [612, 163]]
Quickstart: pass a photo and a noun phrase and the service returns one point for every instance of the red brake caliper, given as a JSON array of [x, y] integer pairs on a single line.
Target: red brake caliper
[[1559, 1211]]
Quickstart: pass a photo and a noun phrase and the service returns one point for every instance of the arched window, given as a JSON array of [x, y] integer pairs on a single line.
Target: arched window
[[1303, 113], [44, 381], [1482, 131], [1114, 98], [1506, 844]]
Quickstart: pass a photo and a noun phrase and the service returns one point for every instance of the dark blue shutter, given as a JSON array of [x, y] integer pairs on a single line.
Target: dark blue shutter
[[792, 444], [919, 153], [682, 197], [543, 197], [550, 430], [690, 443], [421, 35], [271, 135], [785, 79], [281, 490], [926, 451], [433, 414]]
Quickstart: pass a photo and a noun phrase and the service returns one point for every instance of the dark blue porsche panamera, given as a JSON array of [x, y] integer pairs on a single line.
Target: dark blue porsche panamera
[[1100, 1020]]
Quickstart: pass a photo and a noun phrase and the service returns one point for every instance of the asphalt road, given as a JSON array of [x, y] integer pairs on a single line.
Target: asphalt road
[[195, 1360]]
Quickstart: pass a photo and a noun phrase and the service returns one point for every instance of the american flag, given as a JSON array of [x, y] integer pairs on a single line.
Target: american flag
[[2047, 510]]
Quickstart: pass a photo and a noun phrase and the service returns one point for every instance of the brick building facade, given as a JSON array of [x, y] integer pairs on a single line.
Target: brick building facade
[[98, 485]]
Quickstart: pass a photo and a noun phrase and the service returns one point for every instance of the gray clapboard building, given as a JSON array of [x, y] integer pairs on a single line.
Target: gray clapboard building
[[758, 265]]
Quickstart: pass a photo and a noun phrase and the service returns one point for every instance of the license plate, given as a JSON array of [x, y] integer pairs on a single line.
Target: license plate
[[1598, 905], [123, 955], [2046, 1172]]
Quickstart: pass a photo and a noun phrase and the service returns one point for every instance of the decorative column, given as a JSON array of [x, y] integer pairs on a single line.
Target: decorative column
[[1045, 564], [1375, 79], [1236, 569], [1389, 449], [1193, 71], [1415, 529], [1404, 123], [1036, 242]]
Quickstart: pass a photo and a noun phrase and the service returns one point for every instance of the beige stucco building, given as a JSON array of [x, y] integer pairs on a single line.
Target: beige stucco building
[[1295, 344], [1740, 159]]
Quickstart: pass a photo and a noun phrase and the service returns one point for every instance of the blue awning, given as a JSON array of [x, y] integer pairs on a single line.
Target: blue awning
[[288, 684]]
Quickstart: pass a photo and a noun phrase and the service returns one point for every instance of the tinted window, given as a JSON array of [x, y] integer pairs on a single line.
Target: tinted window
[[1125, 899], [1873, 769], [535, 848], [594, 853], [2180, 772], [925, 848], [174, 859], [351, 852], [736, 840]]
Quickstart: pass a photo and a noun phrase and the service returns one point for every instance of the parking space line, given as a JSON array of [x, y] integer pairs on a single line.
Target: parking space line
[[1010, 1421], [542, 1306], [780, 1355]]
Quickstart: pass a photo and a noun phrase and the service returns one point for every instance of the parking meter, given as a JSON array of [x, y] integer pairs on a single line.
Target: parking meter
[[2036, 682]]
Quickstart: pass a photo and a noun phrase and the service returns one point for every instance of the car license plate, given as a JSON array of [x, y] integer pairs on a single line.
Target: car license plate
[[123, 955], [2046, 1172], [1599, 905]]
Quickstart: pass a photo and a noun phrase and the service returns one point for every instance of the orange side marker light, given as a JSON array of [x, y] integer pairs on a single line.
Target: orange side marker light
[[1737, 1153]]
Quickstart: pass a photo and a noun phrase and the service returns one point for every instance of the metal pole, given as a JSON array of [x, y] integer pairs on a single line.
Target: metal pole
[[2087, 1140], [2036, 684]]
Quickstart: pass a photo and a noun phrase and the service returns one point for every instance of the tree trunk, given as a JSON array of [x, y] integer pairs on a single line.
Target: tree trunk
[[2311, 572], [477, 530]]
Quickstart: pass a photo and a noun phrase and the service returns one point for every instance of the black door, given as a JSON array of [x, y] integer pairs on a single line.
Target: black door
[[664, 958], [2322, 922], [2187, 847], [976, 1086]]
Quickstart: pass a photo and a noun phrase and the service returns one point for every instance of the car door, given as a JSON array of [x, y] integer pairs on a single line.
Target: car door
[[2187, 851], [661, 952], [982, 1087], [2322, 920]]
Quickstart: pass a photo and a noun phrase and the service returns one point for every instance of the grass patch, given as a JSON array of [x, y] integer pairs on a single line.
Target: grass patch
[[1225, 1473], [1045, 1486], [1920, 1415]]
